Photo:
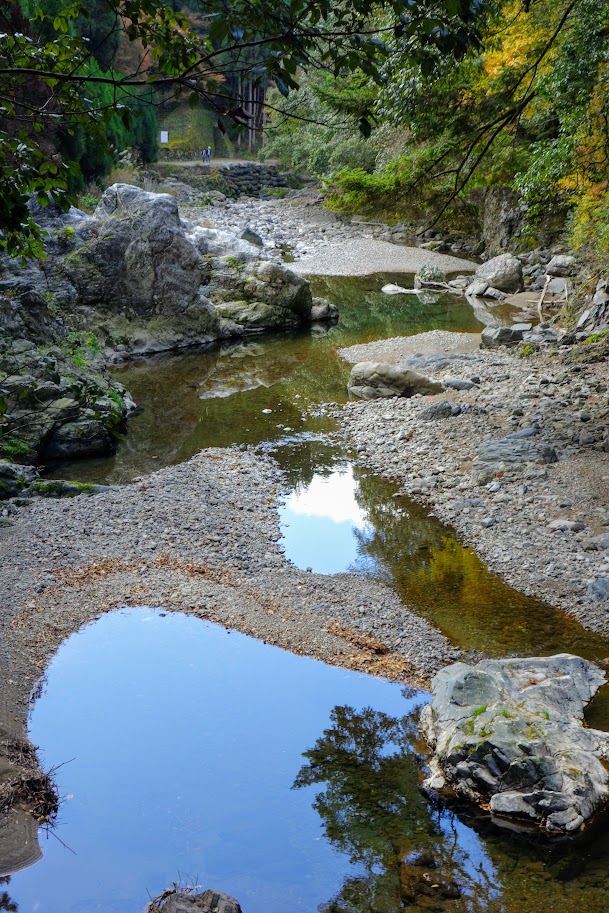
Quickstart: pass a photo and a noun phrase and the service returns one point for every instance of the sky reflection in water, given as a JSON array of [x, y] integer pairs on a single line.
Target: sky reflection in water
[[183, 743]]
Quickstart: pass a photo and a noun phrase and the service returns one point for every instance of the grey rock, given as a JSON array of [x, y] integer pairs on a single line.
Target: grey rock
[[599, 589], [518, 450], [508, 734], [207, 902], [561, 265], [493, 337], [14, 477], [476, 289], [458, 383], [503, 219], [429, 275], [439, 410], [86, 437], [323, 311], [373, 380], [563, 525], [503, 272], [252, 237]]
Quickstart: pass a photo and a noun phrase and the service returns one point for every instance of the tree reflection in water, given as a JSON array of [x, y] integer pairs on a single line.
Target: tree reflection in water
[[373, 810], [411, 855], [6, 904]]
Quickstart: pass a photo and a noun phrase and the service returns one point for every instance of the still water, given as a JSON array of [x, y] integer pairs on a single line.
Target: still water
[[261, 390], [196, 755]]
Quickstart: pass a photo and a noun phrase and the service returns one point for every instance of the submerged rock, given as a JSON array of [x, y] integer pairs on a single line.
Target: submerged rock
[[509, 735], [373, 380]]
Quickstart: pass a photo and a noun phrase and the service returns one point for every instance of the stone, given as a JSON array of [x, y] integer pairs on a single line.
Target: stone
[[493, 337], [14, 477], [323, 311], [458, 383], [598, 589], [207, 902], [562, 525], [439, 410], [561, 265], [429, 274], [503, 272], [515, 450], [476, 289], [86, 437], [373, 380], [509, 736]]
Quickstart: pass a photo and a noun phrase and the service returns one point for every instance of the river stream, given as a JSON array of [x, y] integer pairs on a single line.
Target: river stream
[[204, 756]]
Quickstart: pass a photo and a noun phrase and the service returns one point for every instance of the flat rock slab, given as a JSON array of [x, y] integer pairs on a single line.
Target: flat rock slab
[[509, 735], [516, 450], [362, 257], [394, 350]]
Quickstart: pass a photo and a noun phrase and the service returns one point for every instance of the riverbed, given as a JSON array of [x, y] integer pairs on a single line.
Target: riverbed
[[283, 535]]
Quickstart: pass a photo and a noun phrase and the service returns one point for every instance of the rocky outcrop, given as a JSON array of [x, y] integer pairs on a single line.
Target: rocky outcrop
[[250, 292], [133, 279], [503, 219], [58, 402], [493, 337], [373, 380], [144, 281], [509, 735]]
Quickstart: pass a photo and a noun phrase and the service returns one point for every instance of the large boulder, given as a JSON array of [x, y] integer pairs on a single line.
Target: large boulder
[[58, 402], [509, 735], [373, 380], [138, 253], [503, 272], [149, 282], [561, 265]]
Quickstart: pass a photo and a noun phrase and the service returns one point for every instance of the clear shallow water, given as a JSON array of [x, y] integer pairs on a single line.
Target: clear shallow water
[[217, 398], [197, 755], [342, 518], [183, 743]]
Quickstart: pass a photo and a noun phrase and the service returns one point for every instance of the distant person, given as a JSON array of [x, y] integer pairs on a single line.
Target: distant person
[[209, 155]]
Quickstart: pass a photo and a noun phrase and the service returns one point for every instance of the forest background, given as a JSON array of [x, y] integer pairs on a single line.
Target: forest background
[[408, 109]]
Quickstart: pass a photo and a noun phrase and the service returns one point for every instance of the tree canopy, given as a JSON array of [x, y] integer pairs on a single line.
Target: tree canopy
[[55, 75]]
